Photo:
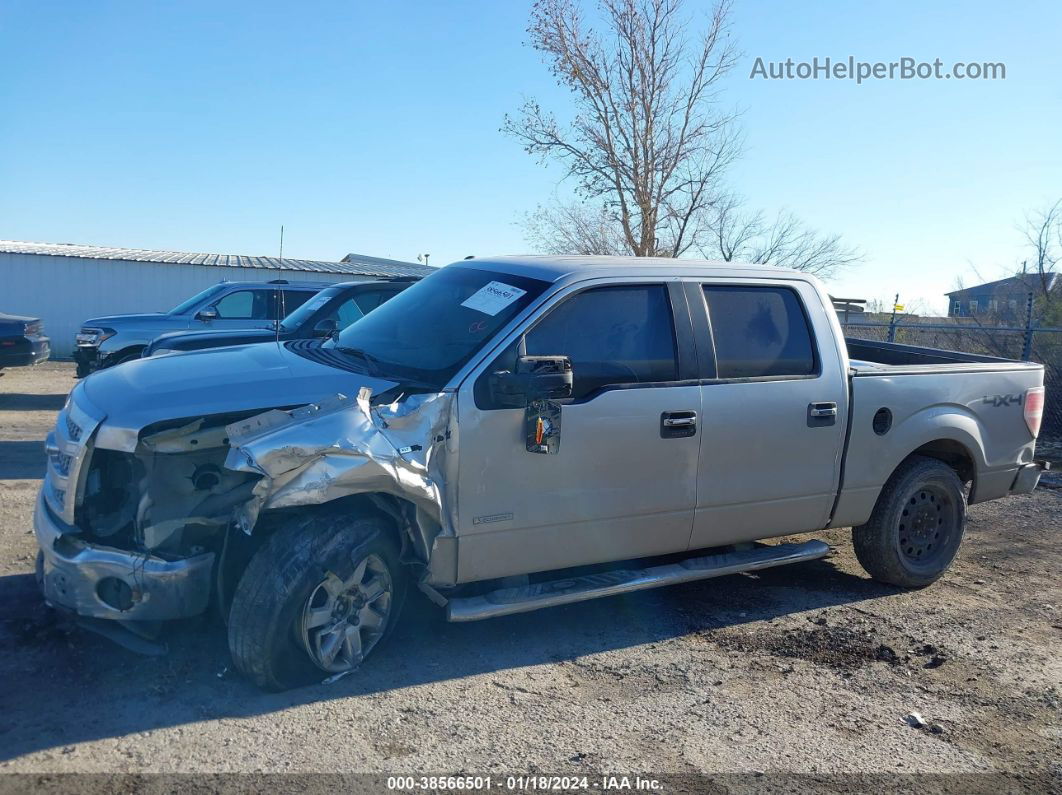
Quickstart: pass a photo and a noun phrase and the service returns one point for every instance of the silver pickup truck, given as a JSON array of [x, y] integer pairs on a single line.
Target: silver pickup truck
[[510, 434]]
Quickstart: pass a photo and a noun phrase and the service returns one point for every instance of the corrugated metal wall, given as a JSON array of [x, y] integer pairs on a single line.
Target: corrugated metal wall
[[64, 291]]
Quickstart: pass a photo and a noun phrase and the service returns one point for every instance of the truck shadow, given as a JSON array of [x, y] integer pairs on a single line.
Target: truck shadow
[[22, 460], [63, 685]]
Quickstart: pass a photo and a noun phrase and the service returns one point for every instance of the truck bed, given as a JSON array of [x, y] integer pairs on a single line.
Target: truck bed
[[870, 358], [962, 405]]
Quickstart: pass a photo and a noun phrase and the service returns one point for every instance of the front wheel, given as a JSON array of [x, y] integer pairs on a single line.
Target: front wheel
[[316, 600], [916, 527]]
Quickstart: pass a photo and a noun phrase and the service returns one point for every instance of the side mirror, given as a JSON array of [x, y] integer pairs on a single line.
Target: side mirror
[[208, 313], [536, 377], [326, 328]]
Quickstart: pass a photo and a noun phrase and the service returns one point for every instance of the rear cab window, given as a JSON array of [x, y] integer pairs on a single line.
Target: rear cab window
[[293, 299], [760, 332]]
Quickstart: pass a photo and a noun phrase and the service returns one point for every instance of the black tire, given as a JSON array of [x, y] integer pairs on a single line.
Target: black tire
[[916, 527], [267, 637]]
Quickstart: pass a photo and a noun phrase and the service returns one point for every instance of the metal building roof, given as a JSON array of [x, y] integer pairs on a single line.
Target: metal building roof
[[352, 264]]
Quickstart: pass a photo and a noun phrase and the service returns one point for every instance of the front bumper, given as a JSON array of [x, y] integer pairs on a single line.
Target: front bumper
[[86, 577], [87, 358], [24, 351], [1028, 476]]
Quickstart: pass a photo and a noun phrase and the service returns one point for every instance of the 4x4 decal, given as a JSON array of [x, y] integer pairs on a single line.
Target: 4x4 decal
[[997, 401]]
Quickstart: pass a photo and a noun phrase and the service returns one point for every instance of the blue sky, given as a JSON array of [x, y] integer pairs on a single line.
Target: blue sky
[[373, 127]]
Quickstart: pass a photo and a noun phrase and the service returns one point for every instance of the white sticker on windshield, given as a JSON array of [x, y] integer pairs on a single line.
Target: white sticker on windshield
[[492, 298], [317, 303]]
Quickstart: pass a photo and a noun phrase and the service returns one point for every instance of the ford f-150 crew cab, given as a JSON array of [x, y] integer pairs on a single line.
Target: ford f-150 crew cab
[[510, 434]]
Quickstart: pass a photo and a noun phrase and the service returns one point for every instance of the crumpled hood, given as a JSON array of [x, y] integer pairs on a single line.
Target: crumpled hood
[[213, 381]]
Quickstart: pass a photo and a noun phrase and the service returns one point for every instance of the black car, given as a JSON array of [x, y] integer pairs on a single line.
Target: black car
[[332, 309], [22, 341]]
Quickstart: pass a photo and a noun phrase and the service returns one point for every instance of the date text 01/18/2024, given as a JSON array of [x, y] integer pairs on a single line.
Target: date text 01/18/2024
[[525, 783]]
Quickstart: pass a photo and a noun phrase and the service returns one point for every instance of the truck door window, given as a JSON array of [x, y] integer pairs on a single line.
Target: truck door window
[[613, 335], [245, 305], [759, 331], [293, 299]]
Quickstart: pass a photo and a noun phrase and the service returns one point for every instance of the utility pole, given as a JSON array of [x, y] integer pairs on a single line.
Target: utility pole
[[892, 322], [282, 242]]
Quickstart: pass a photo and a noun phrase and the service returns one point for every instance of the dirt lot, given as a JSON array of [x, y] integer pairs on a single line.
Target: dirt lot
[[808, 668]]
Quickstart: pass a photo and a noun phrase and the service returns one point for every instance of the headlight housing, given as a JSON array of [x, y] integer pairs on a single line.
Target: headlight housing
[[89, 337]]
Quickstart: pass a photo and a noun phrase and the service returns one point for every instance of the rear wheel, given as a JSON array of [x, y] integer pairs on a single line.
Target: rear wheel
[[916, 527], [316, 600]]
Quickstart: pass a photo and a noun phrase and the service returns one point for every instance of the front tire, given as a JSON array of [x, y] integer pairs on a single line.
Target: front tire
[[321, 594], [917, 525]]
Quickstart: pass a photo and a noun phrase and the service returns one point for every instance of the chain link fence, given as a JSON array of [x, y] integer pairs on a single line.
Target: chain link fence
[[1043, 345]]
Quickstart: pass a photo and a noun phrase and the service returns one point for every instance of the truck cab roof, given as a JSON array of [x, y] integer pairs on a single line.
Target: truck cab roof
[[554, 268]]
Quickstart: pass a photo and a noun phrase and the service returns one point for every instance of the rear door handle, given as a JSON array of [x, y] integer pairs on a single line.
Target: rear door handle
[[678, 424], [822, 414]]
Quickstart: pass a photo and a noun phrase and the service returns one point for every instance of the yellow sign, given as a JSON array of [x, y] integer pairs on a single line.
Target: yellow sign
[[898, 307]]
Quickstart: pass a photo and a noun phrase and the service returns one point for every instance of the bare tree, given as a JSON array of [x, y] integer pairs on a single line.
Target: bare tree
[[575, 228], [737, 235], [1043, 233], [649, 142]]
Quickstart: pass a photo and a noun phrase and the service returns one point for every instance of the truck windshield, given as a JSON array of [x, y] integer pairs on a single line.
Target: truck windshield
[[186, 305], [429, 331], [295, 319]]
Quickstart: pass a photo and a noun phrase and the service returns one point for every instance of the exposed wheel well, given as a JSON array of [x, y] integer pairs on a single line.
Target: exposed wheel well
[[239, 548], [125, 354], [952, 453]]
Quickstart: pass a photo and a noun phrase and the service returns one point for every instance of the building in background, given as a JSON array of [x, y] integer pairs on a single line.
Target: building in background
[[64, 284], [1006, 298]]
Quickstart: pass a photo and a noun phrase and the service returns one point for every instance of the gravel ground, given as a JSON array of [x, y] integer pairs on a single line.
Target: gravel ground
[[809, 668]]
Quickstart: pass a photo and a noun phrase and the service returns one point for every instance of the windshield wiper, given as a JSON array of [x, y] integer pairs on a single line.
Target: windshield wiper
[[372, 364]]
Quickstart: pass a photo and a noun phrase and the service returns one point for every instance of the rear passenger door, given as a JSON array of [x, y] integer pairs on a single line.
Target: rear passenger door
[[773, 410]]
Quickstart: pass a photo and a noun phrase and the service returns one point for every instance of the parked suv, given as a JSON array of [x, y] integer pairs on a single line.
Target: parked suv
[[330, 311], [106, 341]]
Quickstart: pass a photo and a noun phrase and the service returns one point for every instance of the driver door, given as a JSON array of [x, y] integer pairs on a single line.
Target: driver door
[[623, 483], [244, 309]]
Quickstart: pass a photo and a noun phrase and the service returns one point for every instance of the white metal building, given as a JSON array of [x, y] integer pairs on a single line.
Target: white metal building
[[65, 284]]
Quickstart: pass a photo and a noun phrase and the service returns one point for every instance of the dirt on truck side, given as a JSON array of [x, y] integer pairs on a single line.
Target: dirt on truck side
[[811, 669]]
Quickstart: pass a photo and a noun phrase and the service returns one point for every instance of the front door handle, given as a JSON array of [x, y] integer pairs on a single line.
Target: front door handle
[[678, 424], [822, 414]]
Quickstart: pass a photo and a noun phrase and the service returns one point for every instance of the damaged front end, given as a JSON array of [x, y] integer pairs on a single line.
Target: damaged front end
[[134, 535], [140, 535]]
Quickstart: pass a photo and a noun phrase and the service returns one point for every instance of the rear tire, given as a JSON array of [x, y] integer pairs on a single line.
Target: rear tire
[[322, 593], [917, 525]]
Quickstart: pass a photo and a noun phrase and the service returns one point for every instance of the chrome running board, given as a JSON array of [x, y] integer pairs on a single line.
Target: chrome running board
[[506, 601]]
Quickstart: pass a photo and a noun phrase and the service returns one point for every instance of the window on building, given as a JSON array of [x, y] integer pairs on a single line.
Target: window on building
[[973, 306], [759, 331]]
